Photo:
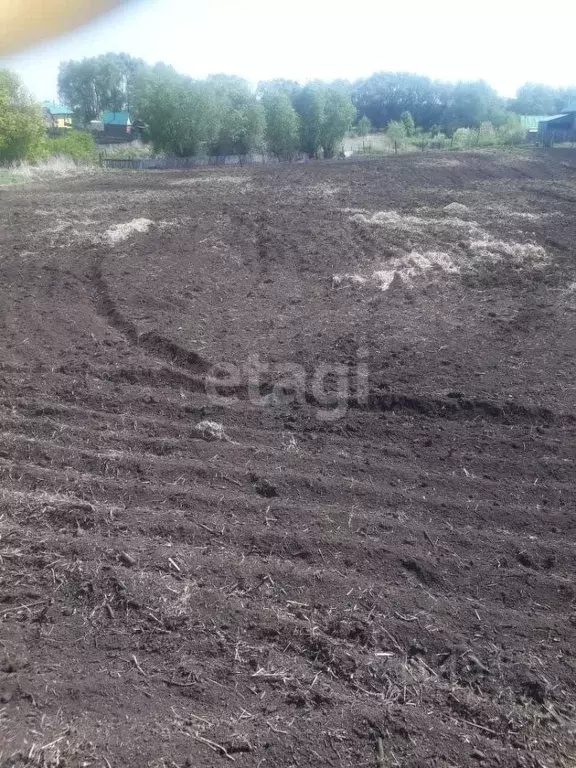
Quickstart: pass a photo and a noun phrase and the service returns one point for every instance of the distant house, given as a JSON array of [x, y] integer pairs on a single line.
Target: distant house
[[558, 128], [57, 115], [117, 124]]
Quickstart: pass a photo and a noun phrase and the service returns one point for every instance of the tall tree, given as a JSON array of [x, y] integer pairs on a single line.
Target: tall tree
[[180, 114], [471, 104], [241, 130], [565, 97], [242, 121], [22, 131], [408, 122], [310, 105], [282, 124], [288, 87], [396, 132], [535, 99], [384, 96], [364, 126], [100, 83], [339, 114]]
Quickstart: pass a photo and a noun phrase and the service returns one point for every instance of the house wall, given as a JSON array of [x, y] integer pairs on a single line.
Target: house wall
[[558, 131], [118, 131]]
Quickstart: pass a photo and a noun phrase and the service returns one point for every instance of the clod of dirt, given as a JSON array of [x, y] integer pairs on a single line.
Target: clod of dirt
[[237, 743], [526, 560], [126, 559], [12, 664], [265, 488], [423, 573], [211, 430], [416, 649], [348, 279], [534, 689], [477, 665]]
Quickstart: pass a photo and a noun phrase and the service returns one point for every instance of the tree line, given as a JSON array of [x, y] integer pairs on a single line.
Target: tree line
[[223, 115], [220, 115]]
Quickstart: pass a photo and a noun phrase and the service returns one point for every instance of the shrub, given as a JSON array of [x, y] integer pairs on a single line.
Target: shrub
[[22, 129], [408, 122], [396, 132], [135, 150], [486, 135], [364, 126], [439, 141], [78, 145], [464, 138], [512, 131]]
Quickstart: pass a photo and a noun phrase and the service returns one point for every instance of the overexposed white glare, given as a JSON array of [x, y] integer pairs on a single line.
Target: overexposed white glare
[[506, 42]]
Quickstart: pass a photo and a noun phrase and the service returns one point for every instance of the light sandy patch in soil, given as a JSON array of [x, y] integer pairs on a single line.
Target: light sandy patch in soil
[[123, 231], [406, 268], [523, 253], [473, 248], [409, 223], [190, 182], [458, 209]]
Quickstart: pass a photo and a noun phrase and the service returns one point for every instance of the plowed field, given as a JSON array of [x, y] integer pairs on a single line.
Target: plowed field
[[287, 466]]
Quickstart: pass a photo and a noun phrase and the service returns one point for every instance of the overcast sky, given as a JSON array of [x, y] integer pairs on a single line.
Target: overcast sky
[[505, 42]]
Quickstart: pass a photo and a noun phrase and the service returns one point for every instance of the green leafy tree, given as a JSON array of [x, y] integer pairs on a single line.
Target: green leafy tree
[[565, 97], [339, 113], [471, 104], [22, 130], [310, 105], [463, 138], [326, 112], [486, 134], [439, 140], [282, 124], [241, 116], [396, 132], [180, 114], [512, 132], [99, 83], [535, 99], [408, 121], [289, 88], [241, 130], [384, 96], [364, 126]]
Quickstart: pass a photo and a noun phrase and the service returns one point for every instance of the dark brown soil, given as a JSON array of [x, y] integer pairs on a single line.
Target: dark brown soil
[[393, 587]]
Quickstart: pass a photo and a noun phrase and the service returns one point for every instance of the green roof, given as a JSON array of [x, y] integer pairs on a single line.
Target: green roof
[[57, 110], [116, 118]]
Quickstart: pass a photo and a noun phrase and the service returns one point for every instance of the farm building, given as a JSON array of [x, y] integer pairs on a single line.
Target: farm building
[[57, 115], [558, 128], [117, 124]]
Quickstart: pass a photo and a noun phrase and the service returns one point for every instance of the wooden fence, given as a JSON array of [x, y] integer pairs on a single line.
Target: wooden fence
[[171, 163]]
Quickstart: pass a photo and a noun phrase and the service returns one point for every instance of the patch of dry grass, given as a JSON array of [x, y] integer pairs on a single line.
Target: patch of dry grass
[[55, 167]]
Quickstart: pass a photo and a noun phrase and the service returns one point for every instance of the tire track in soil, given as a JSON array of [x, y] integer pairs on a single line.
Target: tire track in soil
[[150, 341]]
